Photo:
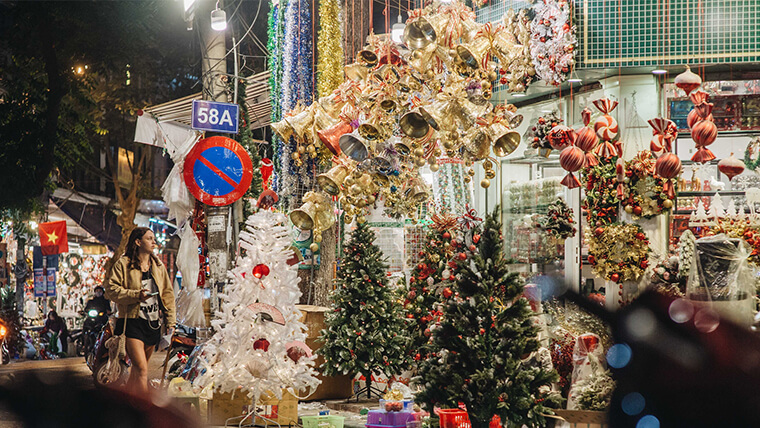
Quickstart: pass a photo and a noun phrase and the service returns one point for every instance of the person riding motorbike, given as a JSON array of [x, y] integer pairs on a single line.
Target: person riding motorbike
[[100, 304], [96, 312]]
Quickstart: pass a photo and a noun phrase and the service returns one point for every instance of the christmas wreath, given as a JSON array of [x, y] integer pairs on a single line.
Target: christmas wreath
[[538, 134], [618, 252], [558, 221], [552, 43], [643, 196], [752, 154], [601, 203]]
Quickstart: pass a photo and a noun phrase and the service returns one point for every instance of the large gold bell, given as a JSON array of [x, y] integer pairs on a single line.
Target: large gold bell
[[506, 48], [283, 129], [331, 104], [330, 137], [505, 140], [387, 73], [304, 217], [388, 105], [469, 29], [355, 146], [330, 181], [425, 30], [371, 131], [409, 83], [403, 146], [301, 122], [513, 119], [473, 53], [367, 57], [478, 143], [416, 190], [356, 72], [469, 112], [415, 123]]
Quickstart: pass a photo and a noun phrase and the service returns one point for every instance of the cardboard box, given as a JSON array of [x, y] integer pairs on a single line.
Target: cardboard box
[[332, 387], [224, 406]]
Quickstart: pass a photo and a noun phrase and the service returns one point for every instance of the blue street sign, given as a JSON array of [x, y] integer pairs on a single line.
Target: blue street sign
[[216, 117]]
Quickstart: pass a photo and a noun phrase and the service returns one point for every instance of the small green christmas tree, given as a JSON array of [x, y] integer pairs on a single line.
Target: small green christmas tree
[[365, 329], [427, 288], [482, 337]]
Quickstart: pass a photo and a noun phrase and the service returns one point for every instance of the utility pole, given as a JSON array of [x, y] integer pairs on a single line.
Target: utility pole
[[214, 70]]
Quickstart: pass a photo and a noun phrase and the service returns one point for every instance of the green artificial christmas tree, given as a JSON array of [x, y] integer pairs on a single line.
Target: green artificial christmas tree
[[427, 288], [365, 328], [485, 331]]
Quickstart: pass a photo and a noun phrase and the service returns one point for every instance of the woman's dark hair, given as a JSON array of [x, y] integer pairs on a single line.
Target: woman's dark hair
[[54, 314], [133, 249]]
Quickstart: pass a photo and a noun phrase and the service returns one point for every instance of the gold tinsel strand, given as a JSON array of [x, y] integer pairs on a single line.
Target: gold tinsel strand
[[329, 49]]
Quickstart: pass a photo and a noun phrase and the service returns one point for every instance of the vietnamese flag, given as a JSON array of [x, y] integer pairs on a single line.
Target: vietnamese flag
[[53, 238]]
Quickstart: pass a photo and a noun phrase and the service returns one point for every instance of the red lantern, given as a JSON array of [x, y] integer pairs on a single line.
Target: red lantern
[[731, 166], [571, 160], [260, 271]]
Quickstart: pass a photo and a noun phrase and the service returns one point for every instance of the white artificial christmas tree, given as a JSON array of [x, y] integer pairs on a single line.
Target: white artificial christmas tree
[[258, 344], [716, 210], [731, 210], [699, 217]]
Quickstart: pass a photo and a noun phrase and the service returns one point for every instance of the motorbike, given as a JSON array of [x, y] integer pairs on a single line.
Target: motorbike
[[182, 344], [91, 328], [97, 359]]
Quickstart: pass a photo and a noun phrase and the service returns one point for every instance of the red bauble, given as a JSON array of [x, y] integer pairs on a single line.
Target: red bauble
[[476, 238], [571, 159], [462, 256], [586, 139], [421, 266], [473, 248], [417, 357], [637, 210], [482, 331], [295, 353], [446, 235], [668, 166], [427, 332], [262, 344], [599, 231], [731, 166], [644, 264], [447, 292], [640, 236], [615, 277], [260, 270], [704, 133], [561, 136], [592, 259]]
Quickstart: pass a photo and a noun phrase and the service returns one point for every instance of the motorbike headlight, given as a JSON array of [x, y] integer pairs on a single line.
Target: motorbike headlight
[[93, 313], [3, 330]]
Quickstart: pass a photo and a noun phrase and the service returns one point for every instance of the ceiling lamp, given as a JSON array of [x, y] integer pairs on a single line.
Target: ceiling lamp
[[218, 19], [397, 32]]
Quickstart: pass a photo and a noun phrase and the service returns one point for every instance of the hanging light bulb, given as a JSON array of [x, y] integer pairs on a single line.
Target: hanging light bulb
[[218, 19], [397, 32], [574, 78], [659, 71]]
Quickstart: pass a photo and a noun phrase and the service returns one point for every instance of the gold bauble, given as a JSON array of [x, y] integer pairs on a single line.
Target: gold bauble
[[430, 74], [311, 149], [468, 163], [667, 204], [484, 183], [356, 173], [487, 164], [361, 219], [435, 258], [295, 155], [420, 162], [467, 178], [371, 199], [492, 76], [432, 160], [486, 85], [471, 172], [355, 189], [490, 174], [361, 203], [348, 181], [314, 247], [448, 144], [318, 238], [446, 245], [301, 150], [419, 152], [628, 209], [453, 53], [437, 152], [347, 219], [434, 167]]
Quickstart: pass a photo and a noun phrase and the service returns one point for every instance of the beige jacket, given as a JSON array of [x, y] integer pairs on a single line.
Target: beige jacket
[[124, 284]]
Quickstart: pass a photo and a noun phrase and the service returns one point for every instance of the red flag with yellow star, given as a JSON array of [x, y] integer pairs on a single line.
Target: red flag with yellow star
[[53, 238]]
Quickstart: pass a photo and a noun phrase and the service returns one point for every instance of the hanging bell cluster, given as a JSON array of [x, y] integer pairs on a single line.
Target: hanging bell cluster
[[402, 107]]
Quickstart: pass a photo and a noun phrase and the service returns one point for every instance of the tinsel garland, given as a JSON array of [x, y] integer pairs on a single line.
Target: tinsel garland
[[274, 46], [296, 87], [553, 41], [329, 49], [618, 252]]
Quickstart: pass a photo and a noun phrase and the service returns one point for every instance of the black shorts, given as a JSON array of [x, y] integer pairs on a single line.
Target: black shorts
[[140, 329]]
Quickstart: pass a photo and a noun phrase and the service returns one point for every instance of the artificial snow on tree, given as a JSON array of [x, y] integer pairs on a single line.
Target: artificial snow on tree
[[258, 344], [429, 285], [716, 210], [553, 41], [365, 327], [484, 334]]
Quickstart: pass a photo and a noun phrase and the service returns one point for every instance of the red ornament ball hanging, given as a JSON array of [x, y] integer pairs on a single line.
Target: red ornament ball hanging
[[260, 270], [731, 166]]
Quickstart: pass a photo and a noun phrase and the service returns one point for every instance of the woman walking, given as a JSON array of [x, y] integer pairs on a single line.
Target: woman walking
[[140, 286]]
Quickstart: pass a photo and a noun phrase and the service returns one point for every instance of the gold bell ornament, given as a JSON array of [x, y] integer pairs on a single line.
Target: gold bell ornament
[[416, 190], [469, 112], [505, 140], [367, 57], [425, 30], [469, 29], [513, 119], [388, 105], [355, 146], [315, 213], [478, 143], [402, 145], [330, 181], [474, 53], [415, 123], [356, 72], [301, 123], [370, 130], [409, 83]]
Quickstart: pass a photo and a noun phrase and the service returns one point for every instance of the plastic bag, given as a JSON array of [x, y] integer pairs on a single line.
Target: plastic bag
[[588, 357], [190, 298], [174, 191]]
